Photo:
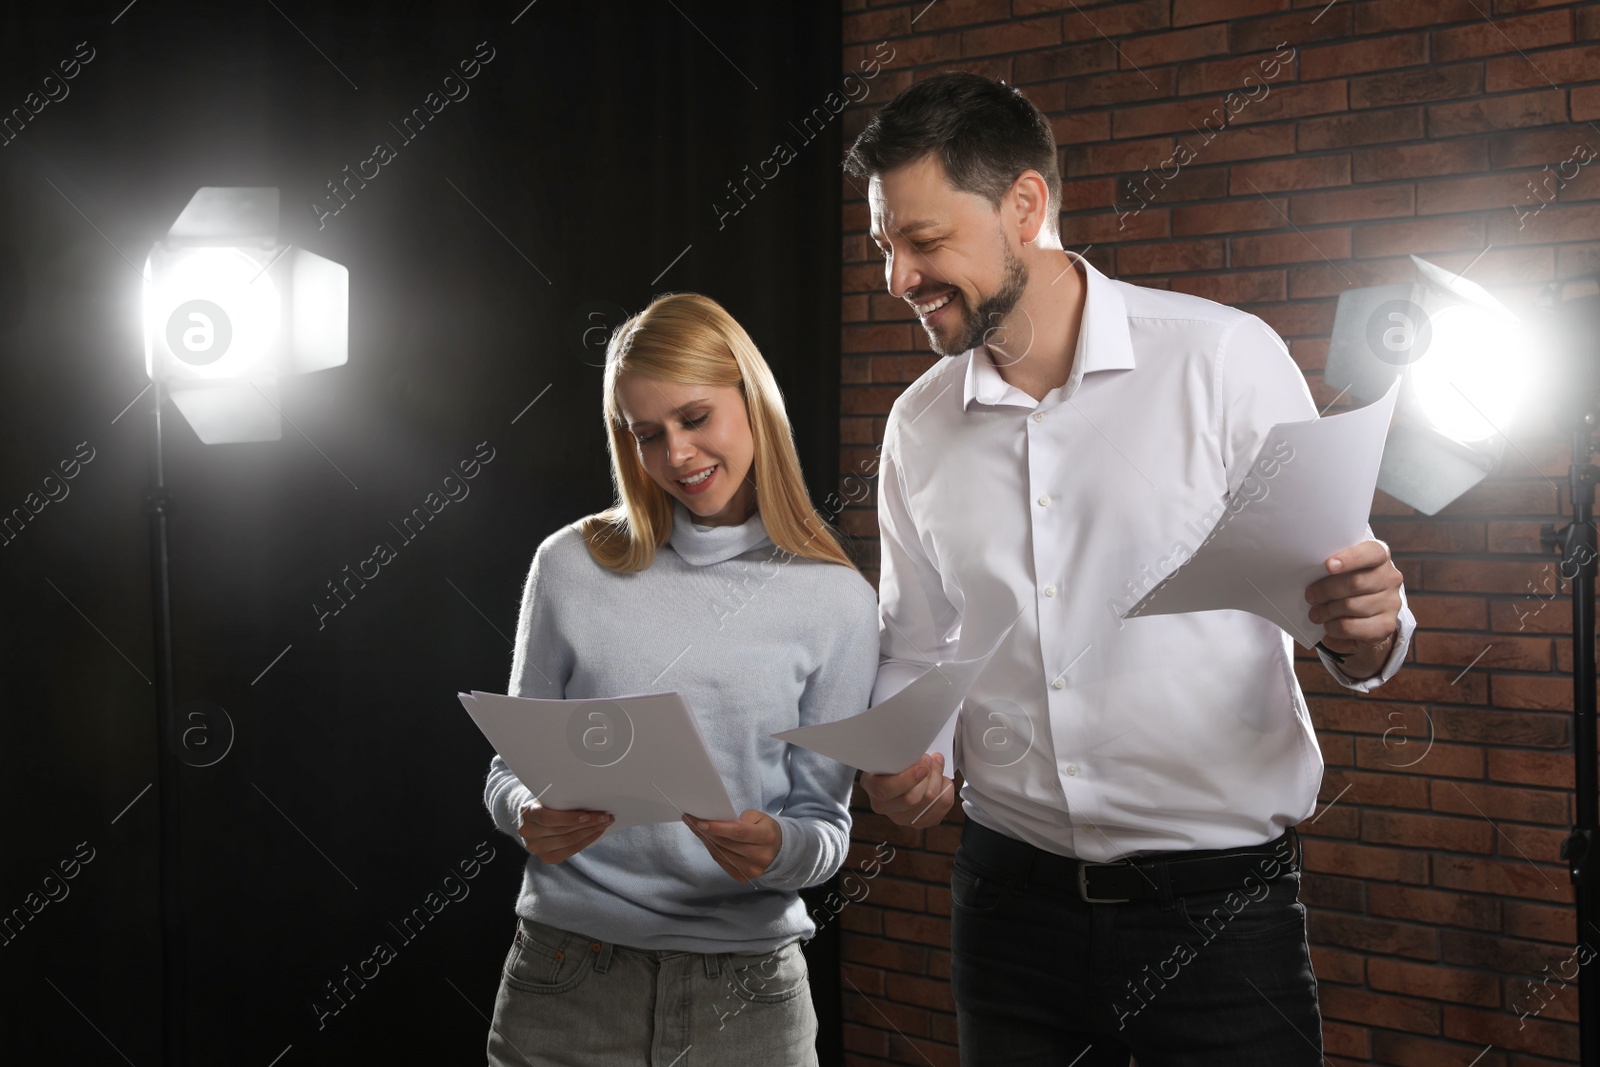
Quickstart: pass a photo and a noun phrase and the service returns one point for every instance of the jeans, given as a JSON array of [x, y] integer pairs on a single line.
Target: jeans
[[568, 1001], [1212, 979]]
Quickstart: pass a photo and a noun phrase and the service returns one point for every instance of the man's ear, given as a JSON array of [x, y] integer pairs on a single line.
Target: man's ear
[[1031, 197]]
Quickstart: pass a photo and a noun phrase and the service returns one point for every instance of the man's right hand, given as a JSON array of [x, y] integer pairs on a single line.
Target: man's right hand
[[918, 796], [554, 835]]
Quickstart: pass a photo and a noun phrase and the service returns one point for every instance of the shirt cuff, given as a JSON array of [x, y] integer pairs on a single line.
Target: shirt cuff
[[1397, 655]]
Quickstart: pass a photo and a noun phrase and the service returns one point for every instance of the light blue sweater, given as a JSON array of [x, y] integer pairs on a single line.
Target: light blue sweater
[[757, 640]]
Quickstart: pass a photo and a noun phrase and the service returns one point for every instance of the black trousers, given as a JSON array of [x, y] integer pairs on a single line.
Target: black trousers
[[1041, 978]]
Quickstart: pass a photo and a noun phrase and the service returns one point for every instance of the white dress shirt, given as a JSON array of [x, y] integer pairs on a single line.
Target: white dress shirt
[[1089, 735]]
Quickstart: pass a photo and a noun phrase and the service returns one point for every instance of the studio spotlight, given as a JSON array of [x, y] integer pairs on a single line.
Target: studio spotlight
[[228, 312], [1469, 366], [1465, 362]]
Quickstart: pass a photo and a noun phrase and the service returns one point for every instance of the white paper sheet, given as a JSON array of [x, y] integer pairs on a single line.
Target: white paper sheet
[[892, 735], [1275, 534], [641, 757]]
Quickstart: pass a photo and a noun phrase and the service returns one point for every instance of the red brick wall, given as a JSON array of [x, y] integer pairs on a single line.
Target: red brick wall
[[1435, 889]]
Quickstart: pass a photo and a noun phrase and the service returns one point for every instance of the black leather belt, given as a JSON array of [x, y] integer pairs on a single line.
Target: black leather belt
[[1152, 876]]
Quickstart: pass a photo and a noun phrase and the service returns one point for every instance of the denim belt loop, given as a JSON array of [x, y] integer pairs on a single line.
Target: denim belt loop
[[602, 956], [715, 962]]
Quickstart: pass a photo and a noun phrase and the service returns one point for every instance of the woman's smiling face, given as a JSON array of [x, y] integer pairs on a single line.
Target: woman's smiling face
[[698, 433]]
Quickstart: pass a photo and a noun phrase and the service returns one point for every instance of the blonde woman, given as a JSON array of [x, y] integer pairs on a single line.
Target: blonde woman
[[712, 576]]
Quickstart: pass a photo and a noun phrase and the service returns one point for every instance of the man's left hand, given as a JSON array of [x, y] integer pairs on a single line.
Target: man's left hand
[[1359, 606], [744, 847]]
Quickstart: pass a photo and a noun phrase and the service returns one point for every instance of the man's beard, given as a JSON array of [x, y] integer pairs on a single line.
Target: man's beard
[[977, 325]]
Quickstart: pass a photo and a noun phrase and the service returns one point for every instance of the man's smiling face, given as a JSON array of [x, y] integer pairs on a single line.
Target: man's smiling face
[[946, 253]]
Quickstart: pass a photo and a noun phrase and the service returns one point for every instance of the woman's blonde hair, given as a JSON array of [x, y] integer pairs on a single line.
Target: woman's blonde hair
[[691, 339]]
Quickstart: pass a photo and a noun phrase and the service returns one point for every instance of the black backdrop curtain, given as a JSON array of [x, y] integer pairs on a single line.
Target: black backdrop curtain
[[583, 169]]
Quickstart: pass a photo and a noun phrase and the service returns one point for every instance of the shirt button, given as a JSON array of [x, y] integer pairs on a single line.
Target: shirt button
[[1059, 683], [1044, 501], [1038, 416], [1072, 770], [1049, 590]]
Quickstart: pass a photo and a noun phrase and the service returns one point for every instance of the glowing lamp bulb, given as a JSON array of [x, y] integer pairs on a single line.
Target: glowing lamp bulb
[[216, 310], [1471, 380]]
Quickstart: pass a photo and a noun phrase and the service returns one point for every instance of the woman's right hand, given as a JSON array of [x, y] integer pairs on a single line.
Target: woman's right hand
[[555, 835]]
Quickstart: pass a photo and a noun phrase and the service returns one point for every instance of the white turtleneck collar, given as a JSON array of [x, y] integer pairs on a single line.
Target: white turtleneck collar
[[701, 545]]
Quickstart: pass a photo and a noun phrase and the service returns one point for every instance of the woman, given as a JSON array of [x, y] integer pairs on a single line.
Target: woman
[[712, 576]]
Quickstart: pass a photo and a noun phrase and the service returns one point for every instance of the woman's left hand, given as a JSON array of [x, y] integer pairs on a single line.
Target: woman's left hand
[[744, 847]]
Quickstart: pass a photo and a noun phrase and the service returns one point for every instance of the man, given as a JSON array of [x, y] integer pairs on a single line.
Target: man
[[1127, 880]]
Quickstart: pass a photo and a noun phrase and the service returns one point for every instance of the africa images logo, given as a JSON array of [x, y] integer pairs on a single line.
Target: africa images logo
[[600, 737], [1399, 332], [199, 332]]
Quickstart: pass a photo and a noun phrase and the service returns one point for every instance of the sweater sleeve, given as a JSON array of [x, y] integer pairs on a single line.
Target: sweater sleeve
[[816, 817], [541, 662]]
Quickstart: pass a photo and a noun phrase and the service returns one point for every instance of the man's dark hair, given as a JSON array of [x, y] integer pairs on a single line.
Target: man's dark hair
[[985, 133]]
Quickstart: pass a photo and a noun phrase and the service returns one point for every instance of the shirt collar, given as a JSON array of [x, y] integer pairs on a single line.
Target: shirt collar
[[701, 545], [1103, 344]]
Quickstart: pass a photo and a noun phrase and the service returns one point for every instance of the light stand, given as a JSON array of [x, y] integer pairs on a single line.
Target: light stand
[[1576, 542], [1577, 545], [171, 953]]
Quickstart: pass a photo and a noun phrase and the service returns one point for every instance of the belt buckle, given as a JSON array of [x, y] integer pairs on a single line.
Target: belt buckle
[[1083, 883]]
